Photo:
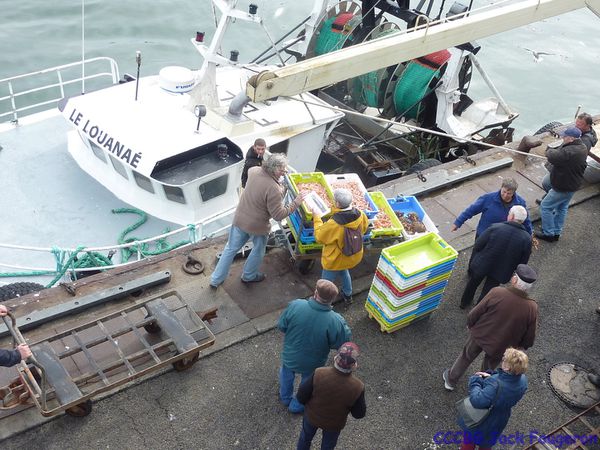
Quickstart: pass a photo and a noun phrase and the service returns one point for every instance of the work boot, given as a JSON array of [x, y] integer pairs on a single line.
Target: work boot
[[594, 379], [346, 298]]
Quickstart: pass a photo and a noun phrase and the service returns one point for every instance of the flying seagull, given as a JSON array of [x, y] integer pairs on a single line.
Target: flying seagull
[[537, 56]]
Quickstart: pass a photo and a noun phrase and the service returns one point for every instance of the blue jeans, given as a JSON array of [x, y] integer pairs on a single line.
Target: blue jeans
[[286, 389], [237, 239], [329, 441], [331, 275], [554, 208]]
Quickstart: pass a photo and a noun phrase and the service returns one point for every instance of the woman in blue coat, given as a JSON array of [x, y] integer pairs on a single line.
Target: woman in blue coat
[[503, 389]]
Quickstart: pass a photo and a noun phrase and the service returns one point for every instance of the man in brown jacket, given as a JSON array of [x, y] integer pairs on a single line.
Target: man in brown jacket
[[506, 317], [261, 200], [328, 395]]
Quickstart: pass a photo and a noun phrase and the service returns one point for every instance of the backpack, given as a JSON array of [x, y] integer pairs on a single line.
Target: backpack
[[353, 241]]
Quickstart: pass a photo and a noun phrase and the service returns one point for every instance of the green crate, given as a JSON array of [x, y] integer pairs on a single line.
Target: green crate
[[309, 177], [419, 254], [383, 205]]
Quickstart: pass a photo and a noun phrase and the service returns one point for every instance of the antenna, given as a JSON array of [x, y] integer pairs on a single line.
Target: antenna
[[138, 61], [83, 46]]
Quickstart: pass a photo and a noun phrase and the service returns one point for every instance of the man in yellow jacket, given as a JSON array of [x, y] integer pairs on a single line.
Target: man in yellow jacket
[[337, 258]]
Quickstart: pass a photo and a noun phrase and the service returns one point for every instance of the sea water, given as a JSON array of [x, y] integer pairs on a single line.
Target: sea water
[[37, 35]]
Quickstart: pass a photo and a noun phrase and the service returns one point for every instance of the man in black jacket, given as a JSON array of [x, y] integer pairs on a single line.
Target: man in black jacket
[[497, 253], [9, 358], [254, 157], [585, 123], [565, 177]]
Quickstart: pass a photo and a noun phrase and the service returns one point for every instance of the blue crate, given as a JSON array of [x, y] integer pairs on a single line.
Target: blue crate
[[407, 204]]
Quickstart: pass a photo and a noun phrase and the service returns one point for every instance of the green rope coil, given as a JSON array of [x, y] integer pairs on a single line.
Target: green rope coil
[[162, 246], [88, 259], [411, 88], [368, 89]]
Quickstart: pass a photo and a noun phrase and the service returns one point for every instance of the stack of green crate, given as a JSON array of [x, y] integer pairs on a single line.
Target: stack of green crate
[[409, 281]]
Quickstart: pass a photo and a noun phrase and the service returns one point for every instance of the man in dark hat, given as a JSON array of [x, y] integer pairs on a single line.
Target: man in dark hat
[[566, 175], [506, 317], [311, 330], [330, 394]]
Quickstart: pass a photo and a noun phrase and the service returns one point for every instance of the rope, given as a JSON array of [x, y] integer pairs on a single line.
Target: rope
[[143, 249], [415, 128], [67, 260]]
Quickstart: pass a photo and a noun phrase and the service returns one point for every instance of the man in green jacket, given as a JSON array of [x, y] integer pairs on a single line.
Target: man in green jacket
[[311, 330]]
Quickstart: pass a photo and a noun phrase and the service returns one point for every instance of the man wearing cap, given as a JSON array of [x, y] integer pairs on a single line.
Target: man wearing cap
[[311, 330], [506, 317], [496, 254], [565, 177], [329, 395]]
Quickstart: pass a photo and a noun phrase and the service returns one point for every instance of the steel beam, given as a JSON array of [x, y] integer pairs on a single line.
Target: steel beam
[[77, 305]]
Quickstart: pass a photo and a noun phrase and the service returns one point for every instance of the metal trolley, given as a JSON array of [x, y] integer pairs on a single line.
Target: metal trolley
[[69, 368]]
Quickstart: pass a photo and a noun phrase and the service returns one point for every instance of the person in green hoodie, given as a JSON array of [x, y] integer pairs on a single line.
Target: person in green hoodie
[[336, 260]]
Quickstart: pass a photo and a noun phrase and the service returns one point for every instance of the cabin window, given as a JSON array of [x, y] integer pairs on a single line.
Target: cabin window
[[280, 147], [213, 188], [98, 152], [174, 194], [120, 168], [144, 182]]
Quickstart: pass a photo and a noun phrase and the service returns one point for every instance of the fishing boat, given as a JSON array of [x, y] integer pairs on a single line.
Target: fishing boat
[[172, 145]]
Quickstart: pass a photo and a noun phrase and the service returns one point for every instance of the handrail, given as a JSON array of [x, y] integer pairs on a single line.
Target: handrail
[[13, 95], [198, 233]]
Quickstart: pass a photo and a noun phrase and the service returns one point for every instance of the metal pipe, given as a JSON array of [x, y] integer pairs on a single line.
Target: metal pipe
[[238, 104], [138, 60], [490, 84], [281, 39]]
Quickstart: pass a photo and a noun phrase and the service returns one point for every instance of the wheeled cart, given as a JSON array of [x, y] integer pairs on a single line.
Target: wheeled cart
[[69, 368]]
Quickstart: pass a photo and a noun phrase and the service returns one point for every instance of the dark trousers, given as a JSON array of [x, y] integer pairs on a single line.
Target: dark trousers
[[470, 351], [474, 281], [329, 441]]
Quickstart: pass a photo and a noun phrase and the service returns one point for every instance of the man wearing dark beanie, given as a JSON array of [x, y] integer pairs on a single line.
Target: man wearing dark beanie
[[329, 395]]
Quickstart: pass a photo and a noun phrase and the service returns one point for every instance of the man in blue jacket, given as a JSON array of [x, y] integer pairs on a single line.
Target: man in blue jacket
[[493, 208], [9, 358], [311, 330]]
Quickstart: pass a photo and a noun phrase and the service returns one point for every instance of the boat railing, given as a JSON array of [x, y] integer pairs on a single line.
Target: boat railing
[[33, 92], [63, 257]]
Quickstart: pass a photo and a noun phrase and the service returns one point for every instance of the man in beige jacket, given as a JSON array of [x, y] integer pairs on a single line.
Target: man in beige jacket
[[261, 200]]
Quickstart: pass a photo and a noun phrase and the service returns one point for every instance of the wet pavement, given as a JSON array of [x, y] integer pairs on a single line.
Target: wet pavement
[[229, 398]]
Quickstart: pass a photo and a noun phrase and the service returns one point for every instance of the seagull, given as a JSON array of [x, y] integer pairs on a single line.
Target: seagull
[[537, 56]]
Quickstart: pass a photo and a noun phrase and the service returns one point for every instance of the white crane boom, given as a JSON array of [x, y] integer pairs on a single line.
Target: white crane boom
[[362, 58]]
